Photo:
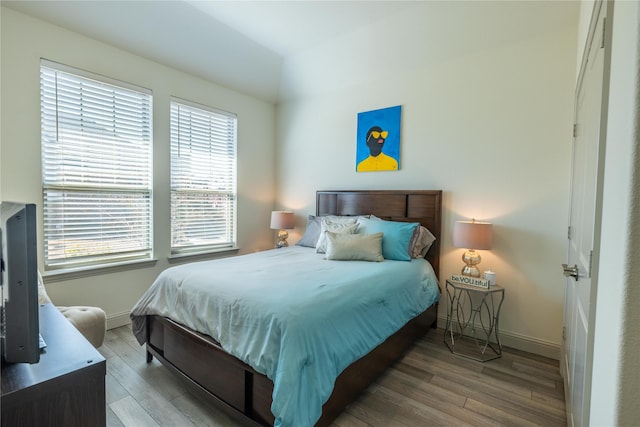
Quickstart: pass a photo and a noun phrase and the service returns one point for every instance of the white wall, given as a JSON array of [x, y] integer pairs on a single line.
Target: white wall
[[491, 127], [488, 122], [24, 41]]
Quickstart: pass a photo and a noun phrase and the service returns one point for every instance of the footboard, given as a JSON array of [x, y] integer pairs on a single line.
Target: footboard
[[245, 394], [224, 380]]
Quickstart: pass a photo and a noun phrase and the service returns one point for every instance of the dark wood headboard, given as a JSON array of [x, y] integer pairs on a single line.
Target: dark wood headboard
[[423, 206]]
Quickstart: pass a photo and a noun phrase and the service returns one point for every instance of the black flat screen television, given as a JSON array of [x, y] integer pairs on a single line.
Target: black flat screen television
[[19, 290]]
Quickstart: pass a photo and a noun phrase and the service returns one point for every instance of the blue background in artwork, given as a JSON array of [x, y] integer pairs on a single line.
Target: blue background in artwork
[[388, 119]]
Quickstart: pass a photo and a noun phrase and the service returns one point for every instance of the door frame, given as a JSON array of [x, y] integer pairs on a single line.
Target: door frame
[[606, 7]]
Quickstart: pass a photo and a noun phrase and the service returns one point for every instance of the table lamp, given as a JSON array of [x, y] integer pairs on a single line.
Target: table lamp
[[472, 235], [282, 221]]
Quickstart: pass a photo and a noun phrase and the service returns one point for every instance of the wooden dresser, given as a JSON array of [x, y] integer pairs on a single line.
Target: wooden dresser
[[66, 388]]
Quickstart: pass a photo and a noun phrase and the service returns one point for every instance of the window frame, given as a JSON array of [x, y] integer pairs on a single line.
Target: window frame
[[63, 180], [229, 161]]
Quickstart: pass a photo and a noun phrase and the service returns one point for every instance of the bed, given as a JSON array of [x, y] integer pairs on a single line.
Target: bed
[[256, 367]]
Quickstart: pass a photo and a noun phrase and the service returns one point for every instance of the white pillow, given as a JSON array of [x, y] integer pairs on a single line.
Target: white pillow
[[345, 219], [334, 227], [354, 247]]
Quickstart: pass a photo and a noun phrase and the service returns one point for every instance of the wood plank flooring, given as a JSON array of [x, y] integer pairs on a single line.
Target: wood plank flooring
[[429, 387]]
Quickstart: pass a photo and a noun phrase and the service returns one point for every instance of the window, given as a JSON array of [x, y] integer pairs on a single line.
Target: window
[[96, 169], [203, 178]]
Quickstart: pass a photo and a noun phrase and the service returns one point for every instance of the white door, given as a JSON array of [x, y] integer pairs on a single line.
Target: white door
[[583, 234]]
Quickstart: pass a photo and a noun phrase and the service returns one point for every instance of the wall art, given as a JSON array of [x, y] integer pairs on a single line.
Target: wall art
[[378, 140]]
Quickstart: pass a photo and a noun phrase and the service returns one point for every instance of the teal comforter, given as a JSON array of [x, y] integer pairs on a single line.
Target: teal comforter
[[292, 315]]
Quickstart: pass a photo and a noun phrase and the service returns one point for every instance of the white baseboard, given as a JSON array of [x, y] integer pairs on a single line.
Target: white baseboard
[[531, 345], [117, 320], [522, 342]]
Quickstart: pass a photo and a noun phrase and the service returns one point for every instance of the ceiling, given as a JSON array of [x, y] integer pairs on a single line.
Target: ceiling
[[221, 41], [287, 27], [246, 45]]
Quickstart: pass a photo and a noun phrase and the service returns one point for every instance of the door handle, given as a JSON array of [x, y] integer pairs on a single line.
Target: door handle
[[570, 271]]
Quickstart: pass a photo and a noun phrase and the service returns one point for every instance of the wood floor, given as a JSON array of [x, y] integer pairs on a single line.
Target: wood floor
[[428, 387]]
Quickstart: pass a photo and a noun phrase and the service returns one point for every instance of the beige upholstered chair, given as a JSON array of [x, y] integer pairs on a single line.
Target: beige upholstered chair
[[90, 321]]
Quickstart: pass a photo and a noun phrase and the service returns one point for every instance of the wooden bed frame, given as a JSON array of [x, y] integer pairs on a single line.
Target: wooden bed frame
[[245, 394]]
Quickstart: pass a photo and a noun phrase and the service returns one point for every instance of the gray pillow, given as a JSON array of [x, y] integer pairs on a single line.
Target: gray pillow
[[421, 242], [311, 233]]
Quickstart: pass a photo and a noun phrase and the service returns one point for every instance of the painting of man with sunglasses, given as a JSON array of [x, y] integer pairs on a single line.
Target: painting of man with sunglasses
[[370, 156]]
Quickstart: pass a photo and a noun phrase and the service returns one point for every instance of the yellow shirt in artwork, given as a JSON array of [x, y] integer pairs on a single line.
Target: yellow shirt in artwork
[[381, 162]]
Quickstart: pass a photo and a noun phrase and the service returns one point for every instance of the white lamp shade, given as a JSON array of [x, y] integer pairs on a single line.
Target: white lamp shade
[[472, 235], [282, 220]]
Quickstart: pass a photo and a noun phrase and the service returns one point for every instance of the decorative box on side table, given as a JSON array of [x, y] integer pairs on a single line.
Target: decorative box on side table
[[472, 321]]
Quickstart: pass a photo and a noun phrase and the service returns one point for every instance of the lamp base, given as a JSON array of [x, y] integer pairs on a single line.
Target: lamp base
[[471, 258], [282, 239]]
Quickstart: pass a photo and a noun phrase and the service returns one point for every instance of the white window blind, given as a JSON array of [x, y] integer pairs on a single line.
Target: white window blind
[[203, 178], [96, 169]]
